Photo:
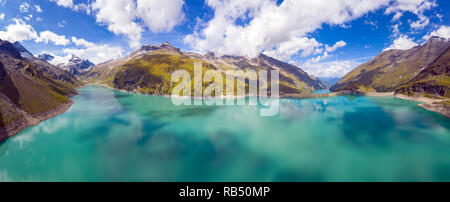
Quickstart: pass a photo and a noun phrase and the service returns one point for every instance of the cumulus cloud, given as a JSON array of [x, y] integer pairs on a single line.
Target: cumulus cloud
[[24, 7], [417, 7], [318, 58], [402, 43], [76, 7], [57, 60], [18, 31], [38, 8], [443, 31], [96, 53], [336, 46], [62, 24], [64, 3], [122, 16], [48, 36], [21, 31], [160, 16], [248, 27], [334, 69], [119, 15], [288, 48], [29, 17], [268, 24]]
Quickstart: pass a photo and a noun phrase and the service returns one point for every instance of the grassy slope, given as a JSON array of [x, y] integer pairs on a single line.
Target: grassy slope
[[32, 87], [433, 81], [391, 69], [151, 73]]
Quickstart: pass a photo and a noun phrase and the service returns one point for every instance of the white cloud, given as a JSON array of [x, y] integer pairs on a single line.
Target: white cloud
[[397, 16], [64, 3], [122, 16], [421, 23], [29, 17], [402, 43], [82, 7], [2, 16], [318, 58], [285, 50], [48, 36], [336, 46], [19, 31], [94, 52], [160, 16], [82, 42], [24, 7], [62, 23], [119, 15], [268, 25], [334, 69], [443, 31], [38, 8], [417, 7], [76, 7], [58, 59], [248, 27]]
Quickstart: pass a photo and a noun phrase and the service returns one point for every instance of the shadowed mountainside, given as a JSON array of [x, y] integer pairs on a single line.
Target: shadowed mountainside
[[433, 81], [29, 90], [391, 69]]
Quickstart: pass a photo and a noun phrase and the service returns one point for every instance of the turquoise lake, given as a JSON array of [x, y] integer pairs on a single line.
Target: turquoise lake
[[114, 136]]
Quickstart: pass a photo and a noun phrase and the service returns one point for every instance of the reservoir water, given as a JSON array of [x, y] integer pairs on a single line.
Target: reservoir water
[[115, 136]]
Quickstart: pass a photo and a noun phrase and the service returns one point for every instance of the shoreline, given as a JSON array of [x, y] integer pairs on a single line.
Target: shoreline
[[339, 93], [31, 120], [429, 104]]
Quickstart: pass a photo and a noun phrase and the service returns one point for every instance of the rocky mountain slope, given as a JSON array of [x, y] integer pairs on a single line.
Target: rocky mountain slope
[[23, 51], [433, 81], [46, 57], [30, 90], [391, 69], [148, 70], [77, 66]]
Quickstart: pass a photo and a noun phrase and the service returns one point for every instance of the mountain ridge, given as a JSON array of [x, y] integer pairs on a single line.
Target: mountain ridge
[[147, 70], [432, 81], [391, 69], [31, 90]]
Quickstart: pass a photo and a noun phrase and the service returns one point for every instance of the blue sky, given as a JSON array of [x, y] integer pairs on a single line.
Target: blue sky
[[325, 38]]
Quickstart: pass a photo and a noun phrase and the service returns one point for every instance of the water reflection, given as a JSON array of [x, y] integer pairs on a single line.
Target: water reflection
[[114, 136]]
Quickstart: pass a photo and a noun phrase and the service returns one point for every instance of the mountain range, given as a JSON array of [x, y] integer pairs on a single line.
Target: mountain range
[[392, 69], [31, 90], [433, 81], [77, 66], [148, 70]]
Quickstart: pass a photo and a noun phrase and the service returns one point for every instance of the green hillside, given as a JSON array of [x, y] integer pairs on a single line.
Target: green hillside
[[29, 87], [391, 69], [149, 71], [433, 81]]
